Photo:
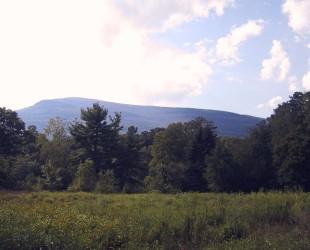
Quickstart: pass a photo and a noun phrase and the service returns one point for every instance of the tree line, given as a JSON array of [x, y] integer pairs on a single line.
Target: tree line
[[96, 154]]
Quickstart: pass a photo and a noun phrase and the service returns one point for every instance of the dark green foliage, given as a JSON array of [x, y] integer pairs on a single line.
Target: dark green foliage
[[86, 177], [251, 160], [129, 169], [203, 138], [146, 141], [290, 127], [5, 179], [12, 131], [98, 134], [24, 172], [52, 177], [181, 158], [169, 156], [221, 171], [258, 148], [30, 145], [178, 156], [106, 182], [19, 172], [166, 177], [18, 152]]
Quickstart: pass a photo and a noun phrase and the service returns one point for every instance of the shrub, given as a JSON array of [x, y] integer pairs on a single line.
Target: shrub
[[85, 179], [106, 182]]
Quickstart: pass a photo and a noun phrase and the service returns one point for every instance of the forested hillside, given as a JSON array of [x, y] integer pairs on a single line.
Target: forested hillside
[[90, 154]]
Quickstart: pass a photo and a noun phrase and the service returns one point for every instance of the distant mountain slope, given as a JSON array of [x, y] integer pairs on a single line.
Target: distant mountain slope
[[144, 117]]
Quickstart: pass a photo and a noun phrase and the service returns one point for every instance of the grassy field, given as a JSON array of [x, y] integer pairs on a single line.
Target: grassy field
[[154, 221]]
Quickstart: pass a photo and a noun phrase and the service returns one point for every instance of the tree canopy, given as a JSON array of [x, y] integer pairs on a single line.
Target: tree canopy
[[96, 154], [12, 131], [97, 133]]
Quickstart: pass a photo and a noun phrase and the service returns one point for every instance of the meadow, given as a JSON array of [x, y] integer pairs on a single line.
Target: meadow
[[64, 220]]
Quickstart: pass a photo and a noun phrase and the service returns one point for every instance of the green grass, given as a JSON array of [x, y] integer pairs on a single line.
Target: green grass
[[154, 221]]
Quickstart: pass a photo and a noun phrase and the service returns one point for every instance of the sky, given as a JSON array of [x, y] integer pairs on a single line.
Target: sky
[[234, 55]]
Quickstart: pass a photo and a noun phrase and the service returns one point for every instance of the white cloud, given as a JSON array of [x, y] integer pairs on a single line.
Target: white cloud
[[157, 15], [298, 15], [271, 104], [306, 81], [260, 106], [292, 84], [90, 49], [227, 47], [278, 65], [274, 102]]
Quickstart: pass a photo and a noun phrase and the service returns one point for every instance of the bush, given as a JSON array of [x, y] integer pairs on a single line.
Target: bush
[[85, 179], [106, 182]]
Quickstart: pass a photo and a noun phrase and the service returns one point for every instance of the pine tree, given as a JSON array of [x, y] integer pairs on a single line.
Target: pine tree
[[98, 134]]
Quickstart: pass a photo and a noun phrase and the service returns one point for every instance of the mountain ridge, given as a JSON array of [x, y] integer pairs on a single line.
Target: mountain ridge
[[144, 117]]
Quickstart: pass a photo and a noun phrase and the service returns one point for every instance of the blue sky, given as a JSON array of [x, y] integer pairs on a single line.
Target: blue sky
[[235, 55], [239, 87]]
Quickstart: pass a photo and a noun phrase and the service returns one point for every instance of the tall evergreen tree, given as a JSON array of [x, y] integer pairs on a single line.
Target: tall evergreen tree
[[203, 137], [98, 134], [130, 170]]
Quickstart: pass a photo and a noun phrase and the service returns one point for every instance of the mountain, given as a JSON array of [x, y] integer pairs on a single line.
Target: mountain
[[143, 117]]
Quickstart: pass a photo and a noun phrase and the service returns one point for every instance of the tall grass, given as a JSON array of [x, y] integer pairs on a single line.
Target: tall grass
[[154, 221]]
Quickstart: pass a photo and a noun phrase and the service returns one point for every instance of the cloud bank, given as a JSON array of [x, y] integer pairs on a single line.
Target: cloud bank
[[271, 104], [161, 16], [306, 81], [227, 47], [297, 12], [99, 49], [278, 65]]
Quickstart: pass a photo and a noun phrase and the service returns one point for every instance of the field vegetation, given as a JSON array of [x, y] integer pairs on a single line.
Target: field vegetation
[[65, 220]]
